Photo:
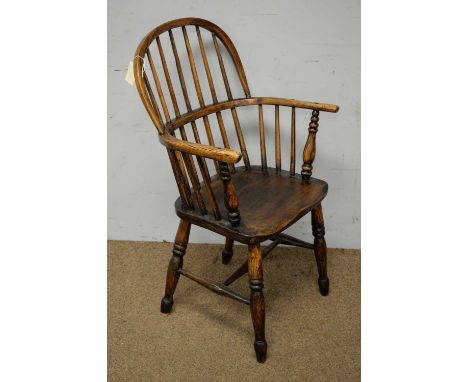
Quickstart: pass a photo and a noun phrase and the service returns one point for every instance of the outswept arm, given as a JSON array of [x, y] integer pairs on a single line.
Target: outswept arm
[[198, 149], [224, 157], [207, 110]]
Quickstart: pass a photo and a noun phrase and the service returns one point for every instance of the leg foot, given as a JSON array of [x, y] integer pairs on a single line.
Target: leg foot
[[257, 301], [324, 285], [260, 350], [175, 264], [166, 304], [320, 249], [227, 252]]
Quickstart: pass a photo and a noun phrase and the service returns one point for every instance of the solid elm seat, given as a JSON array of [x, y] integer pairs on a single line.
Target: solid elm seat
[[251, 204], [269, 203]]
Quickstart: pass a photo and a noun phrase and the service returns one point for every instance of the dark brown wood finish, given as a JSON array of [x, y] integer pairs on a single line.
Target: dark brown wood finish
[[257, 300], [244, 268], [214, 97], [292, 165], [249, 204], [309, 148], [175, 264], [216, 287], [267, 203], [227, 251], [210, 109], [320, 249], [262, 137], [230, 197], [277, 141]]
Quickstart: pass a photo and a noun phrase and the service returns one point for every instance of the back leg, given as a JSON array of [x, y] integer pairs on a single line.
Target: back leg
[[227, 252], [177, 259], [320, 249]]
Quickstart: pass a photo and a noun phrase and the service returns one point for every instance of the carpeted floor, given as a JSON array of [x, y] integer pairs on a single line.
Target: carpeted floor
[[208, 337]]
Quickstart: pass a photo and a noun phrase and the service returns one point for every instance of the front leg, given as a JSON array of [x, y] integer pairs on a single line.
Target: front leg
[[175, 264], [320, 249], [257, 301]]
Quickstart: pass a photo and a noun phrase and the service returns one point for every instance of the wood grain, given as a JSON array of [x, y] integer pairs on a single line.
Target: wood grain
[[230, 196], [206, 151], [320, 249], [292, 164], [268, 204], [309, 147], [176, 262], [210, 109], [227, 251], [270, 199], [277, 141], [262, 137], [257, 301]]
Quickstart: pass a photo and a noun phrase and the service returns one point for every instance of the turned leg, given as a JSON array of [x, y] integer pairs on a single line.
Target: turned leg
[[257, 301], [227, 252], [178, 252], [320, 249]]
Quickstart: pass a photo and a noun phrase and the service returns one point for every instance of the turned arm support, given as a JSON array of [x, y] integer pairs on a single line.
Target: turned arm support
[[224, 158], [230, 196], [206, 151], [309, 147]]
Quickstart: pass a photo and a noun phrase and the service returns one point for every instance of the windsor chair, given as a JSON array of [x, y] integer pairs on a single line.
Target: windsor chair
[[260, 202]]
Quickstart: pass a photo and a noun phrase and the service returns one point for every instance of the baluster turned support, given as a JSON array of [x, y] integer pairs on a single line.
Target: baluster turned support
[[230, 196], [257, 301], [309, 148], [176, 262], [320, 249]]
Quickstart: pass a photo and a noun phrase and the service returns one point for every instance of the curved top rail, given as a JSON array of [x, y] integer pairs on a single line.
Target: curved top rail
[[150, 36], [140, 53], [204, 111]]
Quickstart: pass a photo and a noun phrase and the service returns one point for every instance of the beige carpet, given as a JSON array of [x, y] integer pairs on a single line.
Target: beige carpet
[[210, 338]]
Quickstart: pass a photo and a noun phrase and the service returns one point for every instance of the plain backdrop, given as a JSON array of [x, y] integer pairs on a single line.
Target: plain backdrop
[[307, 50], [53, 195]]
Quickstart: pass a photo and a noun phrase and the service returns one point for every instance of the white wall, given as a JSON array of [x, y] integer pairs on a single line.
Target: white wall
[[301, 49]]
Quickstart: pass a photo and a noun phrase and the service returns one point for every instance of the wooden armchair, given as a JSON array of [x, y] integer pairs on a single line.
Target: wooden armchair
[[249, 204]]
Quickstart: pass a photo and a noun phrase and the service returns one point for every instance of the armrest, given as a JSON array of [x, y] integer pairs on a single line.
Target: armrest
[[207, 110], [328, 107], [221, 155], [224, 156]]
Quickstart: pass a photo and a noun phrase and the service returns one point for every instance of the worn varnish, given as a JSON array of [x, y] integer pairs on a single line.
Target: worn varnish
[[249, 204], [267, 204]]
